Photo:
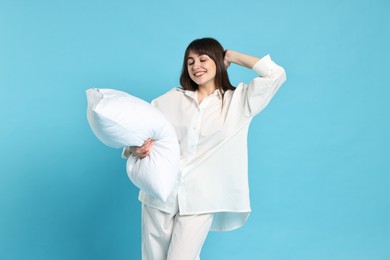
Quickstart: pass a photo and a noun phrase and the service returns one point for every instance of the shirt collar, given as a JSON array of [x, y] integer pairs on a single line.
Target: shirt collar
[[193, 94]]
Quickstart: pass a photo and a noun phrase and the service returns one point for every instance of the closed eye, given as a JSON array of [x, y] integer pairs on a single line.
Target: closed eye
[[190, 61]]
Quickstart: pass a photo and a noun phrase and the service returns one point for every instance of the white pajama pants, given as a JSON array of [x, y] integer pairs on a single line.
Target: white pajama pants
[[168, 236]]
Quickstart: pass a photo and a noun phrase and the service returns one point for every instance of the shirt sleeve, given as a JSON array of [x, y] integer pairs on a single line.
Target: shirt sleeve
[[256, 95]]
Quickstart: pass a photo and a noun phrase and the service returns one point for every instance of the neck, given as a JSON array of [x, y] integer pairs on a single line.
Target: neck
[[205, 90]]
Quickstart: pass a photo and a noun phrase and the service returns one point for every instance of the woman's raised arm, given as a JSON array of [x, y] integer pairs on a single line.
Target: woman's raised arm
[[239, 58]]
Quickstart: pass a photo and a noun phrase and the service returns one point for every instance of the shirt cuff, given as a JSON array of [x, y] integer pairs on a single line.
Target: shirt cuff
[[126, 152], [264, 66]]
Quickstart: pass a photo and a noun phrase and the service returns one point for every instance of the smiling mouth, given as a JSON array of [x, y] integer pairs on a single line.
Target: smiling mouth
[[199, 74]]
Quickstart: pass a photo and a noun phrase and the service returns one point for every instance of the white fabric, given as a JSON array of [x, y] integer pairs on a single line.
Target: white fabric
[[213, 146], [169, 236], [118, 120]]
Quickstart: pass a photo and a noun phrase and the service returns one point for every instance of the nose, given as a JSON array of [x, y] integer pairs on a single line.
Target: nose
[[195, 65]]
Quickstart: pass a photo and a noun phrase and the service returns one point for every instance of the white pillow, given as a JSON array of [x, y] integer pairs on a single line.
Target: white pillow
[[119, 120]]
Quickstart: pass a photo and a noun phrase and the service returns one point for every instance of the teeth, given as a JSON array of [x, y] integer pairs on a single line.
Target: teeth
[[199, 74]]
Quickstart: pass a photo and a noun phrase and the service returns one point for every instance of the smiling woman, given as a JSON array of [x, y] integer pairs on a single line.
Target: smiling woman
[[202, 70], [211, 118]]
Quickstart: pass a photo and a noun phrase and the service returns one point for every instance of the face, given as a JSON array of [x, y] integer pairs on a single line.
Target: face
[[201, 69]]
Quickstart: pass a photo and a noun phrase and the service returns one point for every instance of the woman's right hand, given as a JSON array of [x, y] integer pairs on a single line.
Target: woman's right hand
[[142, 151]]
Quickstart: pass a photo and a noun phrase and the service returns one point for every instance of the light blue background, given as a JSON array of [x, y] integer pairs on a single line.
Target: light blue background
[[319, 153]]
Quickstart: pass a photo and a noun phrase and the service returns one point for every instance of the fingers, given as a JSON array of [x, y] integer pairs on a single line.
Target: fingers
[[147, 147], [147, 142], [139, 152], [144, 150]]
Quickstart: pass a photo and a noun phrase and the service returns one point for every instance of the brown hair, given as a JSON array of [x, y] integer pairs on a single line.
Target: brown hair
[[215, 51]]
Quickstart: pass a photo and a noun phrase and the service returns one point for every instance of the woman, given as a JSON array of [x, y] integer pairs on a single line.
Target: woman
[[211, 119]]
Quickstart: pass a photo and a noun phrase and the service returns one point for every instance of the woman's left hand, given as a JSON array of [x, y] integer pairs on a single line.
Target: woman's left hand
[[239, 58], [226, 59]]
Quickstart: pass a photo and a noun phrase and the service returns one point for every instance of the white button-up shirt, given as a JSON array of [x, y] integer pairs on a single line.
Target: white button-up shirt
[[213, 145]]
